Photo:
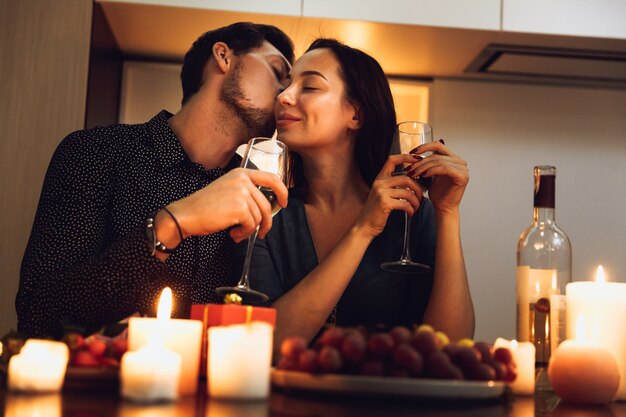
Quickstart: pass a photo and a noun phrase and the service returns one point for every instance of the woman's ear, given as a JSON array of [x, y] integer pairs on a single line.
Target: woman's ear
[[355, 121], [222, 55]]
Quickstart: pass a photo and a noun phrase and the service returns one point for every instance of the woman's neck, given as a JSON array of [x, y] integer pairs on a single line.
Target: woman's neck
[[333, 180]]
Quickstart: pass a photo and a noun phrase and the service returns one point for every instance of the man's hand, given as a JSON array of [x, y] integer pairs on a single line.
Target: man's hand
[[232, 200]]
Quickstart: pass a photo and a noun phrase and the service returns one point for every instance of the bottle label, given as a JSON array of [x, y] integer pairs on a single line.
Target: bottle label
[[534, 290]]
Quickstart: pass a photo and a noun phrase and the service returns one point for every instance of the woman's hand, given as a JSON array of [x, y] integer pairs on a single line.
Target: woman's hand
[[449, 174], [389, 193]]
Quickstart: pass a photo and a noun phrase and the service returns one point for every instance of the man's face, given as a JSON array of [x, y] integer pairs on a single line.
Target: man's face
[[251, 88]]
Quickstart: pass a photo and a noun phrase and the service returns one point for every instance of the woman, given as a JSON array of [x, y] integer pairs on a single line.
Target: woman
[[344, 217]]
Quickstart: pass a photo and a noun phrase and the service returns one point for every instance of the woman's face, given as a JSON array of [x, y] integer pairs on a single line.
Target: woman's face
[[312, 112]]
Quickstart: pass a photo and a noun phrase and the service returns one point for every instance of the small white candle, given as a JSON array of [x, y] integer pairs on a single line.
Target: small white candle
[[181, 336], [39, 367], [152, 373], [524, 358], [239, 361], [603, 304], [18, 405]]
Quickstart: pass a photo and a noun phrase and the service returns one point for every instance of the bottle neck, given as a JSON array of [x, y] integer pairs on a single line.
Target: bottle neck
[[543, 214], [544, 196]]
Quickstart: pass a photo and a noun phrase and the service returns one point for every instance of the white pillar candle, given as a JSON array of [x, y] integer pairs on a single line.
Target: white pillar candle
[[524, 357], [39, 367], [150, 374], [181, 336], [239, 361], [603, 304]]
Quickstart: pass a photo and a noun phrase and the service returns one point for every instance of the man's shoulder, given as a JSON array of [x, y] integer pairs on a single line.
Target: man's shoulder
[[112, 138]]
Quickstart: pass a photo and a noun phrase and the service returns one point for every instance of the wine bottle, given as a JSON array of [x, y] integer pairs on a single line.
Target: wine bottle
[[544, 267]]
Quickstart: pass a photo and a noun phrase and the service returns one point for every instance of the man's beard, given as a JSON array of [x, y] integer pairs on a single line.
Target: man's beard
[[257, 121]]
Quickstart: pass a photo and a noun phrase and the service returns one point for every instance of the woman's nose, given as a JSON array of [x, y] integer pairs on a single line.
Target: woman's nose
[[286, 97]]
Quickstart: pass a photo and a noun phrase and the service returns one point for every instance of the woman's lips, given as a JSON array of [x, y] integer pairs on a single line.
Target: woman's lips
[[285, 120]]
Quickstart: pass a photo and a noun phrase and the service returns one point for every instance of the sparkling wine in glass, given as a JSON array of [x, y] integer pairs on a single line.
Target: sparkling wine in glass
[[409, 135], [270, 155]]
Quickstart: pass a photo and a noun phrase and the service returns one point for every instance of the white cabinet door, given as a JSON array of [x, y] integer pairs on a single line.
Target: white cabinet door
[[280, 7], [468, 14], [597, 18]]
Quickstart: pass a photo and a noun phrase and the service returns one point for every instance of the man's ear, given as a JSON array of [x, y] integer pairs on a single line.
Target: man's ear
[[222, 55]]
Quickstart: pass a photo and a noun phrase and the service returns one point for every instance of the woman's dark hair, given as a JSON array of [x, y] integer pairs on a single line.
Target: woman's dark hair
[[367, 88], [241, 37]]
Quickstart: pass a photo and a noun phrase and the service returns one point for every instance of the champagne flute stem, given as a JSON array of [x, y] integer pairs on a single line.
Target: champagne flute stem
[[406, 254], [243, 281]]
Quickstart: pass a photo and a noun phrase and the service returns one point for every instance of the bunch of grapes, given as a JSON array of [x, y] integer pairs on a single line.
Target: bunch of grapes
[[95, 350], [400, 352]]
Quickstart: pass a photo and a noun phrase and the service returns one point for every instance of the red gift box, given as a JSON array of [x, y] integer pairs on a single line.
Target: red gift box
[[225, 315]]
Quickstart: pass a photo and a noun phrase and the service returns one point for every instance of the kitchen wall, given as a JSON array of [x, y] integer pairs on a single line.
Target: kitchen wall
[[44, 53], [502, 130]]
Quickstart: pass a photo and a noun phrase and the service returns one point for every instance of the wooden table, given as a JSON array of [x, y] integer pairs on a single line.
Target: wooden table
[[106, 403]]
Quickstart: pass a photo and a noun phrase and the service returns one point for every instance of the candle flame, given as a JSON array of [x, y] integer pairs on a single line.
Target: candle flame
[[554, 281], [580, 328], [164, 311], [514, 344], [600, 277]]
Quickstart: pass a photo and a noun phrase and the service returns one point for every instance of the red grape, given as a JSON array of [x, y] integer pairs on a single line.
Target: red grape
[[466, 358], [292, 347], [307, 361], [485, 351], [408, 358], [501, 370], [380, 345], [424, 342], [333, 336], [286, 364], [353, 347], [329, 359], [503, 355], [400, 335], [438, 365], [483, 372]]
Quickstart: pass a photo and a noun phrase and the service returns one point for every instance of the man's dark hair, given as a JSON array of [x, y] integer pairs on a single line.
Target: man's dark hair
[[367, 88], [241, 37]]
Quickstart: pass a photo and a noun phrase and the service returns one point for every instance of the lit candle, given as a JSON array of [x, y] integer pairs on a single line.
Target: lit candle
[[39, 367], [152, 373], [239, 361], [603, 304], [583, 372], [524, 357], [181, 336]]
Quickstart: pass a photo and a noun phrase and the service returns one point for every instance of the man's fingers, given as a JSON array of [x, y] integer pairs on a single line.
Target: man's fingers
[[269, 180]]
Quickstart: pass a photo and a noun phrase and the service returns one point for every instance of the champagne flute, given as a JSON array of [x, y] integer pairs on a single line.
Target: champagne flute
[[409, 135], [270, 155]]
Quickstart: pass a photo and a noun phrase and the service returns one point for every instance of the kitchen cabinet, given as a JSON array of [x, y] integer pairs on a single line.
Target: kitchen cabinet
[[278, 7], [597, 18], [476, 14]]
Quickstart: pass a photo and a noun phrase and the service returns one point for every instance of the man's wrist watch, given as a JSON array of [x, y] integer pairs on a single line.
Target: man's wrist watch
[[155, 244]]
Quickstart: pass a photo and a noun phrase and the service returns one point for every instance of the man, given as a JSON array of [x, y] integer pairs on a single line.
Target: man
[[126, 210]]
